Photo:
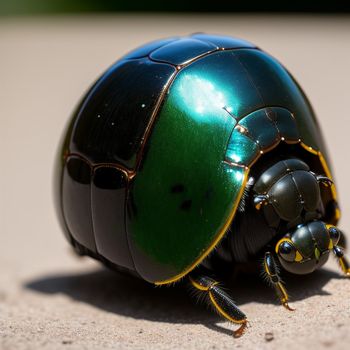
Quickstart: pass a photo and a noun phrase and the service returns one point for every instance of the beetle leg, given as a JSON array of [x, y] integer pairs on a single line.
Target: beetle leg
[[338, 245], [221, 302], [343, 262], [324, 179], [272, 274]]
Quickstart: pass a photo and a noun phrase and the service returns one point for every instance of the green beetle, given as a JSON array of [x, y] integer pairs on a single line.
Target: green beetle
[[192, 155]]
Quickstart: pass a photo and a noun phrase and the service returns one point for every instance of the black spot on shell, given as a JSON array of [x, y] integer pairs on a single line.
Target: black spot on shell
[[178, 188], [186, 205], [209, 193]]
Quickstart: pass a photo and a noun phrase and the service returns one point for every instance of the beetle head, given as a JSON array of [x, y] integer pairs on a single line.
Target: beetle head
[[307, 248]]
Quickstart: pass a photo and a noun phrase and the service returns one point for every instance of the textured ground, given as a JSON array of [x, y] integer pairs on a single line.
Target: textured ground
[[51, 300]]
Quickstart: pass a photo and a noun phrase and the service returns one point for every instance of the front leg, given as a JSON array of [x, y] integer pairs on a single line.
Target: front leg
[[272, 274], [220, 301], [338, 242], [343, 262]]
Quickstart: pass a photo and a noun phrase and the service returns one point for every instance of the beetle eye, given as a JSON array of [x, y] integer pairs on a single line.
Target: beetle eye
[[334, 234], [287, 251]]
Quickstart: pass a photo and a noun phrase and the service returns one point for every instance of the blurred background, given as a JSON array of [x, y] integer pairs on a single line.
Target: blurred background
[[51, 51], [83, 6]]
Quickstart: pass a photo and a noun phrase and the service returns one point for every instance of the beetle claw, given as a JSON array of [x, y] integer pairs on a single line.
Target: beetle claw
[[241, 330], [286, 305], [325, 180]]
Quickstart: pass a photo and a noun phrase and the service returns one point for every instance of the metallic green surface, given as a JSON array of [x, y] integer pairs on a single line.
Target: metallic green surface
[[183, 193], [285, 124], [241, 149], [261, 128], [260, 131], [187, 148]]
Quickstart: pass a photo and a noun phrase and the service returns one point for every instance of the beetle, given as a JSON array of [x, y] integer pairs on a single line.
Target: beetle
[[192, 155]]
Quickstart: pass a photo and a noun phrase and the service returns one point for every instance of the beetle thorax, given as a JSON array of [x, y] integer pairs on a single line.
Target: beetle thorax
[[288, 194]]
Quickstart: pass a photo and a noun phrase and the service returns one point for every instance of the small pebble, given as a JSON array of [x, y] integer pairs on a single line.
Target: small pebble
[[269, 336]]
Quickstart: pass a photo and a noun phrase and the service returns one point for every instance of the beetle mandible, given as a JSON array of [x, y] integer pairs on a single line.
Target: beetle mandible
[[191, 155]]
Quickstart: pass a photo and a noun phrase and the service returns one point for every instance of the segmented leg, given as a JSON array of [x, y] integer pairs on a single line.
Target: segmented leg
[[272, 274], [343, 262], [221, 301], [338, 245]]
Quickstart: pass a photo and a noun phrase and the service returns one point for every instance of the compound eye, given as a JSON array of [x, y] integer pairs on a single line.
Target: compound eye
[[287, 251], [334, 234]]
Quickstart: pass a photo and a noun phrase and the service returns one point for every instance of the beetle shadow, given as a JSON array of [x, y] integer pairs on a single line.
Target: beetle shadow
[[124, 295]]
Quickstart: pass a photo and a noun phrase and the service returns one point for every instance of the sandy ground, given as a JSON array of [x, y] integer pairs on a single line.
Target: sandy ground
[[51, 300]]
